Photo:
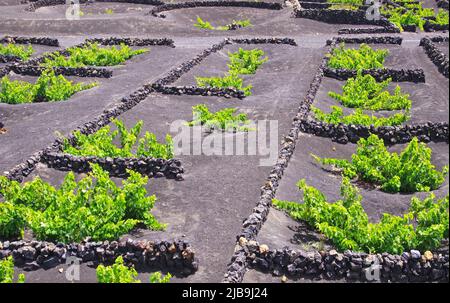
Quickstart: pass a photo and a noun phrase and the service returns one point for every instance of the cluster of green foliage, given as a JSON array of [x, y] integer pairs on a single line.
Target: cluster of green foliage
[[208, 26], [246, 62], [101, 143], [345, 4], [94, 207], [414, 14], [12, 49], [442, 17], [358, 117], [92, 54], [225, 119], [347, 225], [363, 58], [242, 62], [411, 171], [231, 80], [7, 272], [365, 92], [119, 273], [48, 88]]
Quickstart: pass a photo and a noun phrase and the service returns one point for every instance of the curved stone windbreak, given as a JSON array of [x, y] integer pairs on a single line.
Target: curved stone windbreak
[[157, 11], [436, 56], [175, 255], [412, 266], [117, 167]]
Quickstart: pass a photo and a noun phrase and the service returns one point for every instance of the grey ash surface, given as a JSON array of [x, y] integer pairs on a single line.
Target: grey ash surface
[[218, 192]]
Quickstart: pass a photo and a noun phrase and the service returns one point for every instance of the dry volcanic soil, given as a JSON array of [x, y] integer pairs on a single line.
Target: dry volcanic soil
[[217, 202]]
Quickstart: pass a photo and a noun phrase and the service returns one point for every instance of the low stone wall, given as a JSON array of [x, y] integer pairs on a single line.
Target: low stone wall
[[359, 31], [342, 133], [402, 75], [30, 40], [338, 16], [4, 71], [9, 59], [436, 56], [412, 266], [117, 167], [146, 2], [367, 40], [442, 4], [199, 91], [430, 27], [285, 41], [167, 255], [43, 3], [156, 12], [30, 70], [133, 41]]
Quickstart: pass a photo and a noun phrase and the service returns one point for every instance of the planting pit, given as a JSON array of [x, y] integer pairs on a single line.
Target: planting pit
[[429, 100], [282, 66]]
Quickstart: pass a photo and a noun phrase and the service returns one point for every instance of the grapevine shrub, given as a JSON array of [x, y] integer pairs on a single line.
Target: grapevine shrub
[[415, 14], [345, 4], [223, 120], [93, 55], [363, 58], [208, 26], [243, 62], [358, 117], [231, 80], [246, 62], [347, 225], [119, 273], [365, 92], [101, 144], [407, 172], [48, 88], [94, 207], [7, 271], [15, 50]]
